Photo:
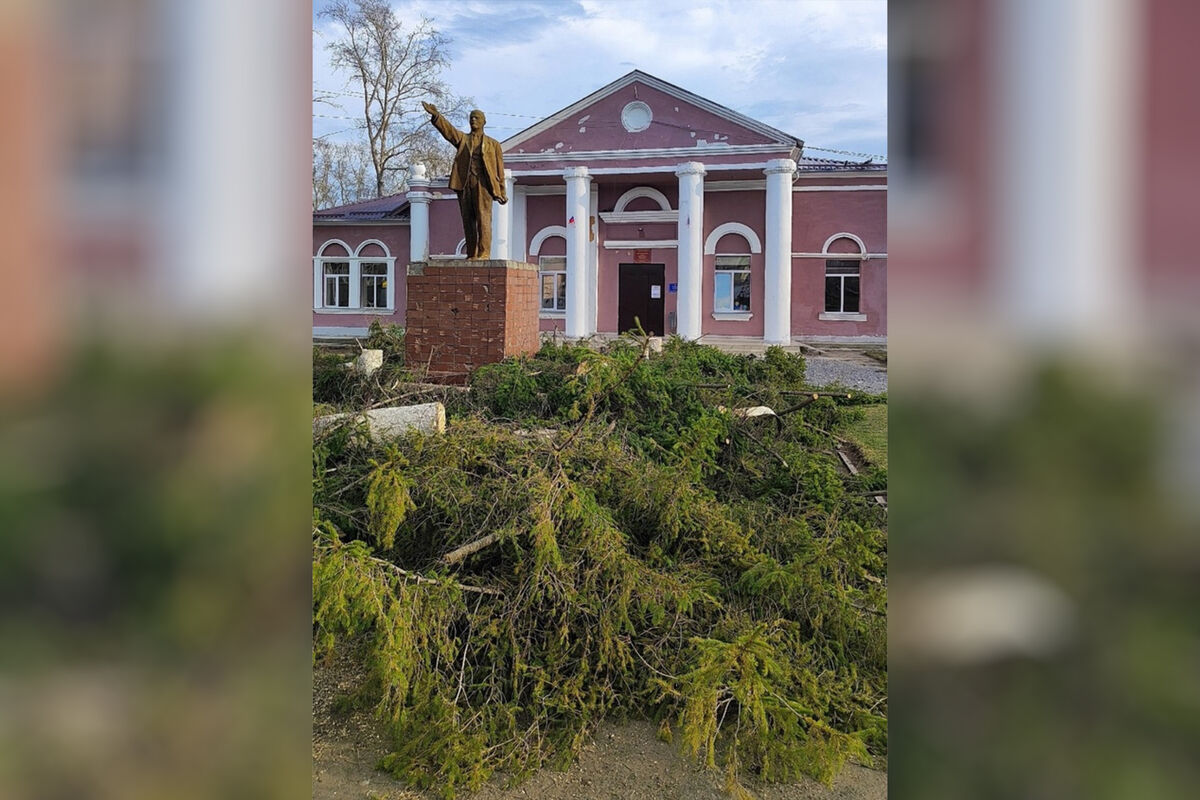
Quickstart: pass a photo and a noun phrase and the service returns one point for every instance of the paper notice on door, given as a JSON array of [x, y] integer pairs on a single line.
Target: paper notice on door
[[655, 292]]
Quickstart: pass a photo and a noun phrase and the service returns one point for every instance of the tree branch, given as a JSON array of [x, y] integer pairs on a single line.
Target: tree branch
[[455, 556]]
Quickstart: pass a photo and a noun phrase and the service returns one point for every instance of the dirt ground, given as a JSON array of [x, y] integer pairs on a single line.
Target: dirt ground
[[622, 762]]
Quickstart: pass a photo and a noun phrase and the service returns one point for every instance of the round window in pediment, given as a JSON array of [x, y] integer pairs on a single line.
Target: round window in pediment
[[636, 116]]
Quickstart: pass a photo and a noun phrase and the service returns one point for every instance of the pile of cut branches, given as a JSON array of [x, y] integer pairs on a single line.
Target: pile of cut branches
[[597, 536]]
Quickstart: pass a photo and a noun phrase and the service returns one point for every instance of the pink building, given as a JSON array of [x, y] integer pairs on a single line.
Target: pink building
[[641, 201]]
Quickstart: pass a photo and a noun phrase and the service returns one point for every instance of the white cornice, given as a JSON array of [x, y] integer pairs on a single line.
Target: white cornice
[[663, 169], [633, 217], [638, 244], [543, 190], [879, 187], [843, 256], [662, 86], [749, 186], [683, 153], [735, 186]]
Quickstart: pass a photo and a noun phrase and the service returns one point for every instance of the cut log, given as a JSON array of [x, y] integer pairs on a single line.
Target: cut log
[[383, 423]]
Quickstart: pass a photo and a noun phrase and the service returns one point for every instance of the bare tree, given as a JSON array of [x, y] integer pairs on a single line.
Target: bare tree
[[394, 67], [342, 174]]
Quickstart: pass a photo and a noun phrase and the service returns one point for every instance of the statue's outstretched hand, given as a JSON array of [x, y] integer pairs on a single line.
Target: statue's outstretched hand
[[432, 109]]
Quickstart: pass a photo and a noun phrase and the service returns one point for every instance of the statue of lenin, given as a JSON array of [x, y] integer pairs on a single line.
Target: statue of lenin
[[477, 177]]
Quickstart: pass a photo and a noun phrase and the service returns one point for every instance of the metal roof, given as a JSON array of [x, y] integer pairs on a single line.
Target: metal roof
[[393, 206], [810, 164]]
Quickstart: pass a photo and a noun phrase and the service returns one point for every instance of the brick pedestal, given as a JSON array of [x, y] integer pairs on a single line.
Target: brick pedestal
[[463, 314]]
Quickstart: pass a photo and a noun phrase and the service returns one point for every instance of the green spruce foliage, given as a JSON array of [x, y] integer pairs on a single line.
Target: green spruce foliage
[[599, 535]]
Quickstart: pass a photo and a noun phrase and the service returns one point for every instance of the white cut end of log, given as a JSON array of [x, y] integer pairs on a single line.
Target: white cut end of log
[[754, 411], [383, 423], [367, 362]]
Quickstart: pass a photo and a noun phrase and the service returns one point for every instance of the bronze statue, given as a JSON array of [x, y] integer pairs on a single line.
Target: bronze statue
[[477, 177]]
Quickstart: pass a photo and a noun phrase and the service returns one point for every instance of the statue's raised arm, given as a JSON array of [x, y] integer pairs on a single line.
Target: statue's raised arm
[[430, 107]]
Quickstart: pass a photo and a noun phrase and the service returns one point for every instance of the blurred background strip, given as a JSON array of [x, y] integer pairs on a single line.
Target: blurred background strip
[[1045, 404], [154, 413]]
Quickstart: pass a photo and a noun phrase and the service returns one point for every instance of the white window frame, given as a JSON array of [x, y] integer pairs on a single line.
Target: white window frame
[[356, 259], [860, 257], [731, 312], [841, 313], [333, 281], [373, 278], [559, 274]]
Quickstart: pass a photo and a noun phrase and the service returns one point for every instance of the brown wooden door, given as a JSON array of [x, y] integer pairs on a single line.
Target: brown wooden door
[[641, 294]]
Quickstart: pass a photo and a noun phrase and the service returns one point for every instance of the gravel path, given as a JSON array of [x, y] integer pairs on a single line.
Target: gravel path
[[823, 371]]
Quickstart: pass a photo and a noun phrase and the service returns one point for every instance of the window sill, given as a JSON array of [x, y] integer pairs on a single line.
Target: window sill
[[735, 316], [833, 316], [381, 312], [552, 315]]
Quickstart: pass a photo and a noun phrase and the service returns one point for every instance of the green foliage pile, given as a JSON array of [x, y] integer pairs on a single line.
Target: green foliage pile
[[337, 386], [596, 536]]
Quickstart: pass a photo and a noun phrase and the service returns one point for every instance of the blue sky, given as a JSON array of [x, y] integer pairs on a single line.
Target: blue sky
[[816, 69]]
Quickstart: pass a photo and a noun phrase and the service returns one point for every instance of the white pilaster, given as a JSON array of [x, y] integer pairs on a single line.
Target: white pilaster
[[690, 251], [502, 222], [593, 259], [318, 284], [577, 250], [418, 214], [777, 293], [517, 243]]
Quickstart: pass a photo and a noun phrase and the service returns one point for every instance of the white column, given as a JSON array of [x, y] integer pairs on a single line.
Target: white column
[[593, 259], [777, 291], [502, 222], [1063, 264], [690, 252], [418, 214], [577, 250]]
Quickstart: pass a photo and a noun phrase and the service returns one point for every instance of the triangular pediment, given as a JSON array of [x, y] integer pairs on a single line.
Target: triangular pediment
[[641, 112]]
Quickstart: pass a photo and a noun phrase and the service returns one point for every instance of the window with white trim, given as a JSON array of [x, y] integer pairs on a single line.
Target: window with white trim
[[350, 280], [842, 279], [731, 285], [337, 284], [552, 274], [373, 291]]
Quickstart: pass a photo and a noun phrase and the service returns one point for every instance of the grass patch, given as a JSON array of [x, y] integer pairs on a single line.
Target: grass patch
[[871, 434], [878, 355]]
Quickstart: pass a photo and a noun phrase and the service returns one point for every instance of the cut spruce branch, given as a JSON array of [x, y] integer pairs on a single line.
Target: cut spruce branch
[[763, 445], [815, 395], [455, 556], [417, 578]]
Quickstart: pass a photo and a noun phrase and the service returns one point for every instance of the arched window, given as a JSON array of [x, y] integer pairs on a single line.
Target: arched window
[[732, 244], [549, 247], [362, 279], [843, 276]]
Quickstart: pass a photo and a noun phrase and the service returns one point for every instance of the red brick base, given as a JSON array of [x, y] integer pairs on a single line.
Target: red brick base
[[464, 314]]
